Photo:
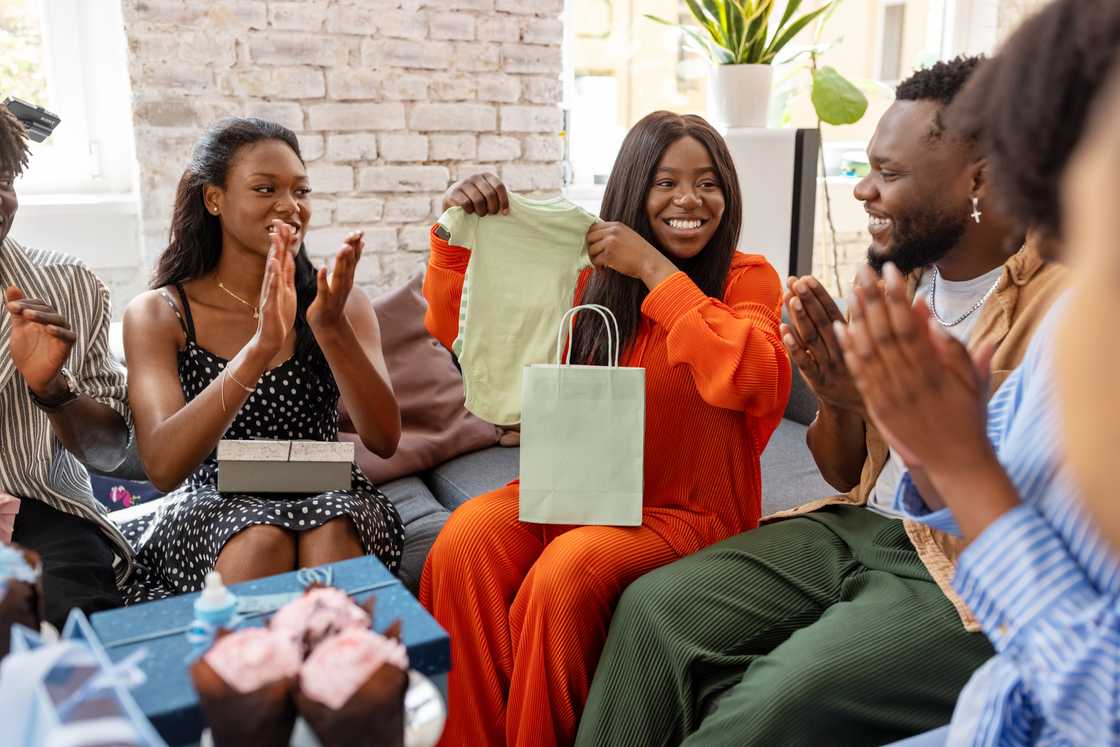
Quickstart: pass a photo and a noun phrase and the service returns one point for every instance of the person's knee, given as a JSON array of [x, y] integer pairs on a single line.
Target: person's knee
[[466, 534], [336, 530], [262, 541]]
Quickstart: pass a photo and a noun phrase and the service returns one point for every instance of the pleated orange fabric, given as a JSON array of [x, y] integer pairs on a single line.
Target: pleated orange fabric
[[528, 606]]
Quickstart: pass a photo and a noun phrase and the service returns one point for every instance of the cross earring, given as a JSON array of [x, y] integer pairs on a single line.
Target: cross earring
[[976, 209]]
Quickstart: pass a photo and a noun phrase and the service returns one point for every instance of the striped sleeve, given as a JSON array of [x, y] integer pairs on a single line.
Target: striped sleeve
[[1036, 603], [99, 374]]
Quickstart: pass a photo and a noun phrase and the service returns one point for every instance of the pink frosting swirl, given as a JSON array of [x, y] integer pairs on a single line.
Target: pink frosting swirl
[[251, 658], [343, 663], [317, 614]]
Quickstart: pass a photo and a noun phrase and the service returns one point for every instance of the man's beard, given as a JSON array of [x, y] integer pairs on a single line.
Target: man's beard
[[919, 240]]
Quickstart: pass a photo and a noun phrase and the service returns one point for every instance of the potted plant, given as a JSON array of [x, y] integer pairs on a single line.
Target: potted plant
[[736, 36]]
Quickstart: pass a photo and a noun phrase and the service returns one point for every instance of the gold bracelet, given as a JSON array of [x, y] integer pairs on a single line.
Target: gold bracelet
[[222, 390], [235, 381]]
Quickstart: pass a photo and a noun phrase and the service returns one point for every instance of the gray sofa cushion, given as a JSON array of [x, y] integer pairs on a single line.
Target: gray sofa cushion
[[423, 517], [462, 478], [789, 475]]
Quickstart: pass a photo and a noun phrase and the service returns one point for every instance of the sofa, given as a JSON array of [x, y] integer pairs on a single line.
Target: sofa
[[447, 456]]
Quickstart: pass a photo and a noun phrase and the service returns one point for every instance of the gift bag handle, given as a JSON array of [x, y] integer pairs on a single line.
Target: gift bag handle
[[613, 340]]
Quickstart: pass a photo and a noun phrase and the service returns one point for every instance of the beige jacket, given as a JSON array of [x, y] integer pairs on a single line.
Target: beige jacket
[[1026, 290]]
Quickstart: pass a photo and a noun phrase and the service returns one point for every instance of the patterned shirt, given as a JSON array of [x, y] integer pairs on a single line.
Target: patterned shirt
[[33, 463], [1042, 582]]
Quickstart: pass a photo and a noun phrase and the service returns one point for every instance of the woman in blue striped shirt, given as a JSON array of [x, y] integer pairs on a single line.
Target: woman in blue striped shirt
[[1037, 571]]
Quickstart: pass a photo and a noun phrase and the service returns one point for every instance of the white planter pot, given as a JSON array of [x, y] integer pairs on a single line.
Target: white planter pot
[[739, 95]]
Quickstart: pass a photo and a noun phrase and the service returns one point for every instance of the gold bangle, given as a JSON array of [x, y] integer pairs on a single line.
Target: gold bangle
[[222, 391], [235, 381]]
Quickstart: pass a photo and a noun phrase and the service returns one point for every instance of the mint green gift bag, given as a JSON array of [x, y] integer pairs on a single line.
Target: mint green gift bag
[[583, 437]]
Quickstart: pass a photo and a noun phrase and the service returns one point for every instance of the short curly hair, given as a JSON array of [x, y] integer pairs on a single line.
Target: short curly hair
[[940, 82], [1031, 103], [14, 151]]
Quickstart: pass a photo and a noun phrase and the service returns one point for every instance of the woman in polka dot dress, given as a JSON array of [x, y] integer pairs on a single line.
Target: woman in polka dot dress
[[242, 338]]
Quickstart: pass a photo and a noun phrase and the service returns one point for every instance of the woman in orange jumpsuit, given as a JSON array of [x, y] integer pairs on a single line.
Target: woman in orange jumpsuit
[[528, 605]]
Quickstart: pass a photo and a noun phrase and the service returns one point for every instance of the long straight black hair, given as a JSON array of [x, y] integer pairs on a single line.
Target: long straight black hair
[[625, 201], [195, 242]]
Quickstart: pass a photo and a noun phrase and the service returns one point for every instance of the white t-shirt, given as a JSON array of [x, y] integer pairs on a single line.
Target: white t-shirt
[[953, 299]]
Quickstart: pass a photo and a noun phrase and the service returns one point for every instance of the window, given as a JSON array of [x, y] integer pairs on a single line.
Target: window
[[68, 56], [891, 38]]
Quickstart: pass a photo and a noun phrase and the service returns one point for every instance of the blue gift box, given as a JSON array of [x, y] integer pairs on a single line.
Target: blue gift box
[[168, 698]]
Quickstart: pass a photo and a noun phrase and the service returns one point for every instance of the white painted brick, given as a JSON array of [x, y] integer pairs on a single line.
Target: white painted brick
[[532, 119], [286, 113], [400, 147], [398, 268], [543, 31], [323, 244], [424, 55], [288, 48], [444, 5], [499, 28], [530, 7], [359, 146], [379, 240], [311, 146], [182, 112], [407, 209], [241, 13], [405, 87], [329, 178], [543, 90], [352, 83], [452, 147], [175, 76], [453, 117], [453, 88], [498, 148], [305, 17], [463, 170], [415, 239], [476, 57], [403, 179], [402, 24], [544, 148], [502, 88], [352, 19], [167, 11], [451, 26], [388, 116], [520, 58], [275, 82], [359, 210], [523, 177]]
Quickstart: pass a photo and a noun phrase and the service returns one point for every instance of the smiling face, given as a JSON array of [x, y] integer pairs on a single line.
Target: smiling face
[[266, 181], [685, 203], [917, 193], [8, 203]]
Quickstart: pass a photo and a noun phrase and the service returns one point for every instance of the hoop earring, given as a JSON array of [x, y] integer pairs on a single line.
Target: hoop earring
[[975, 215]]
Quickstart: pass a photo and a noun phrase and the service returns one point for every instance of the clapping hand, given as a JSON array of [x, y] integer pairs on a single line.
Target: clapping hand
[[41, 340], [327, 311]]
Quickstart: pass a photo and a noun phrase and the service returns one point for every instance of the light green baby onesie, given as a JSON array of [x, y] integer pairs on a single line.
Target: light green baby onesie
[[520, 280]]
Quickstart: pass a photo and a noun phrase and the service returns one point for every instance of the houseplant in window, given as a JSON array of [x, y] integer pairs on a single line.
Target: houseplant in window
[[741, 41]]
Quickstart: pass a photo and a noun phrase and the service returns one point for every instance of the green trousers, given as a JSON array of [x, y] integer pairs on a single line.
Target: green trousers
[[823, 629]]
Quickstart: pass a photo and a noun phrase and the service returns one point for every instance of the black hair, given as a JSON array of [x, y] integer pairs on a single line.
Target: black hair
[[1030, 104], [195, 243], [624, 200], [14, 150], [941, 82]]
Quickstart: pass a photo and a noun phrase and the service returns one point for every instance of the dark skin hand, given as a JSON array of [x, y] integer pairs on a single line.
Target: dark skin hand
[[41, 341], [928, 396]]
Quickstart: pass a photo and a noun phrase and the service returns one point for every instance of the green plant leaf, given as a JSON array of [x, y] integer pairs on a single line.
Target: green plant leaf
[[794, 29], [835, 99], [791, 8], [757, 30], [709, 22]]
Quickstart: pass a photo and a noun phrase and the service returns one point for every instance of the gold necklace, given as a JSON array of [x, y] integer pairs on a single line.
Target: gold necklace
[[256, 310]]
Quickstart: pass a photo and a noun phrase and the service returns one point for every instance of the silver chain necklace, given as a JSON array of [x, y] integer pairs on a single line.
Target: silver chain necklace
[[976, 307]]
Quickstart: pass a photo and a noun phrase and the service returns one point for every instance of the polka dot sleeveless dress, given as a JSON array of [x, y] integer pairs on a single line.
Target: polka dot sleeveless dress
[[178, 544]]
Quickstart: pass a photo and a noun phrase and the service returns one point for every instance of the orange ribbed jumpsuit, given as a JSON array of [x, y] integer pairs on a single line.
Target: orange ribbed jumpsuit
[[527, 606]]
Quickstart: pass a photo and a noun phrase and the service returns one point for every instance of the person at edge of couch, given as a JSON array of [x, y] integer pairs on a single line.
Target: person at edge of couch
[[835, 623], [1037, 569], [63, 404], [527, 605]]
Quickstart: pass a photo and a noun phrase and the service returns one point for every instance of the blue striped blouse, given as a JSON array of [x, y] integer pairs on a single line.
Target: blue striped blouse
[[1042, 582]]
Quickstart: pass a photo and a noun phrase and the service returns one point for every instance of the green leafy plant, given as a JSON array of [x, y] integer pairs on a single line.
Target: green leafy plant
[[737, 32]]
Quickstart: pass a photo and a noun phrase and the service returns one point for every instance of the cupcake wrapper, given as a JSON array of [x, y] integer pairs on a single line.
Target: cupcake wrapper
[[21, 603], [262, 718], [372, 717]]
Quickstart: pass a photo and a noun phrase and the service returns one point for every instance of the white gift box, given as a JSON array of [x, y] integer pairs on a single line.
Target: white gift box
[[284, 466]]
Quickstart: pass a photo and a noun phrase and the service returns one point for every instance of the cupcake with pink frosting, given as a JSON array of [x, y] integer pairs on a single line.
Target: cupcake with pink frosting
[[322, 611], [352, 688], [245, 684]]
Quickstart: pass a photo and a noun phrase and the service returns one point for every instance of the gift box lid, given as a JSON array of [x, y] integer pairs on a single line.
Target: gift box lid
[[168, 698], [230, 450]]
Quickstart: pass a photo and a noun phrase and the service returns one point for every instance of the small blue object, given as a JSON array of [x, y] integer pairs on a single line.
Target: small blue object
[[162, 627]]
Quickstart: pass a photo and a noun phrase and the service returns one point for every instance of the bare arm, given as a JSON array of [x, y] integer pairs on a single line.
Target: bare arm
[[838, 441]]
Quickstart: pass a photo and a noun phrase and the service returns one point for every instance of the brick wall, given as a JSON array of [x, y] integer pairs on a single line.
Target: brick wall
[[391, 99], [1011, 12]]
